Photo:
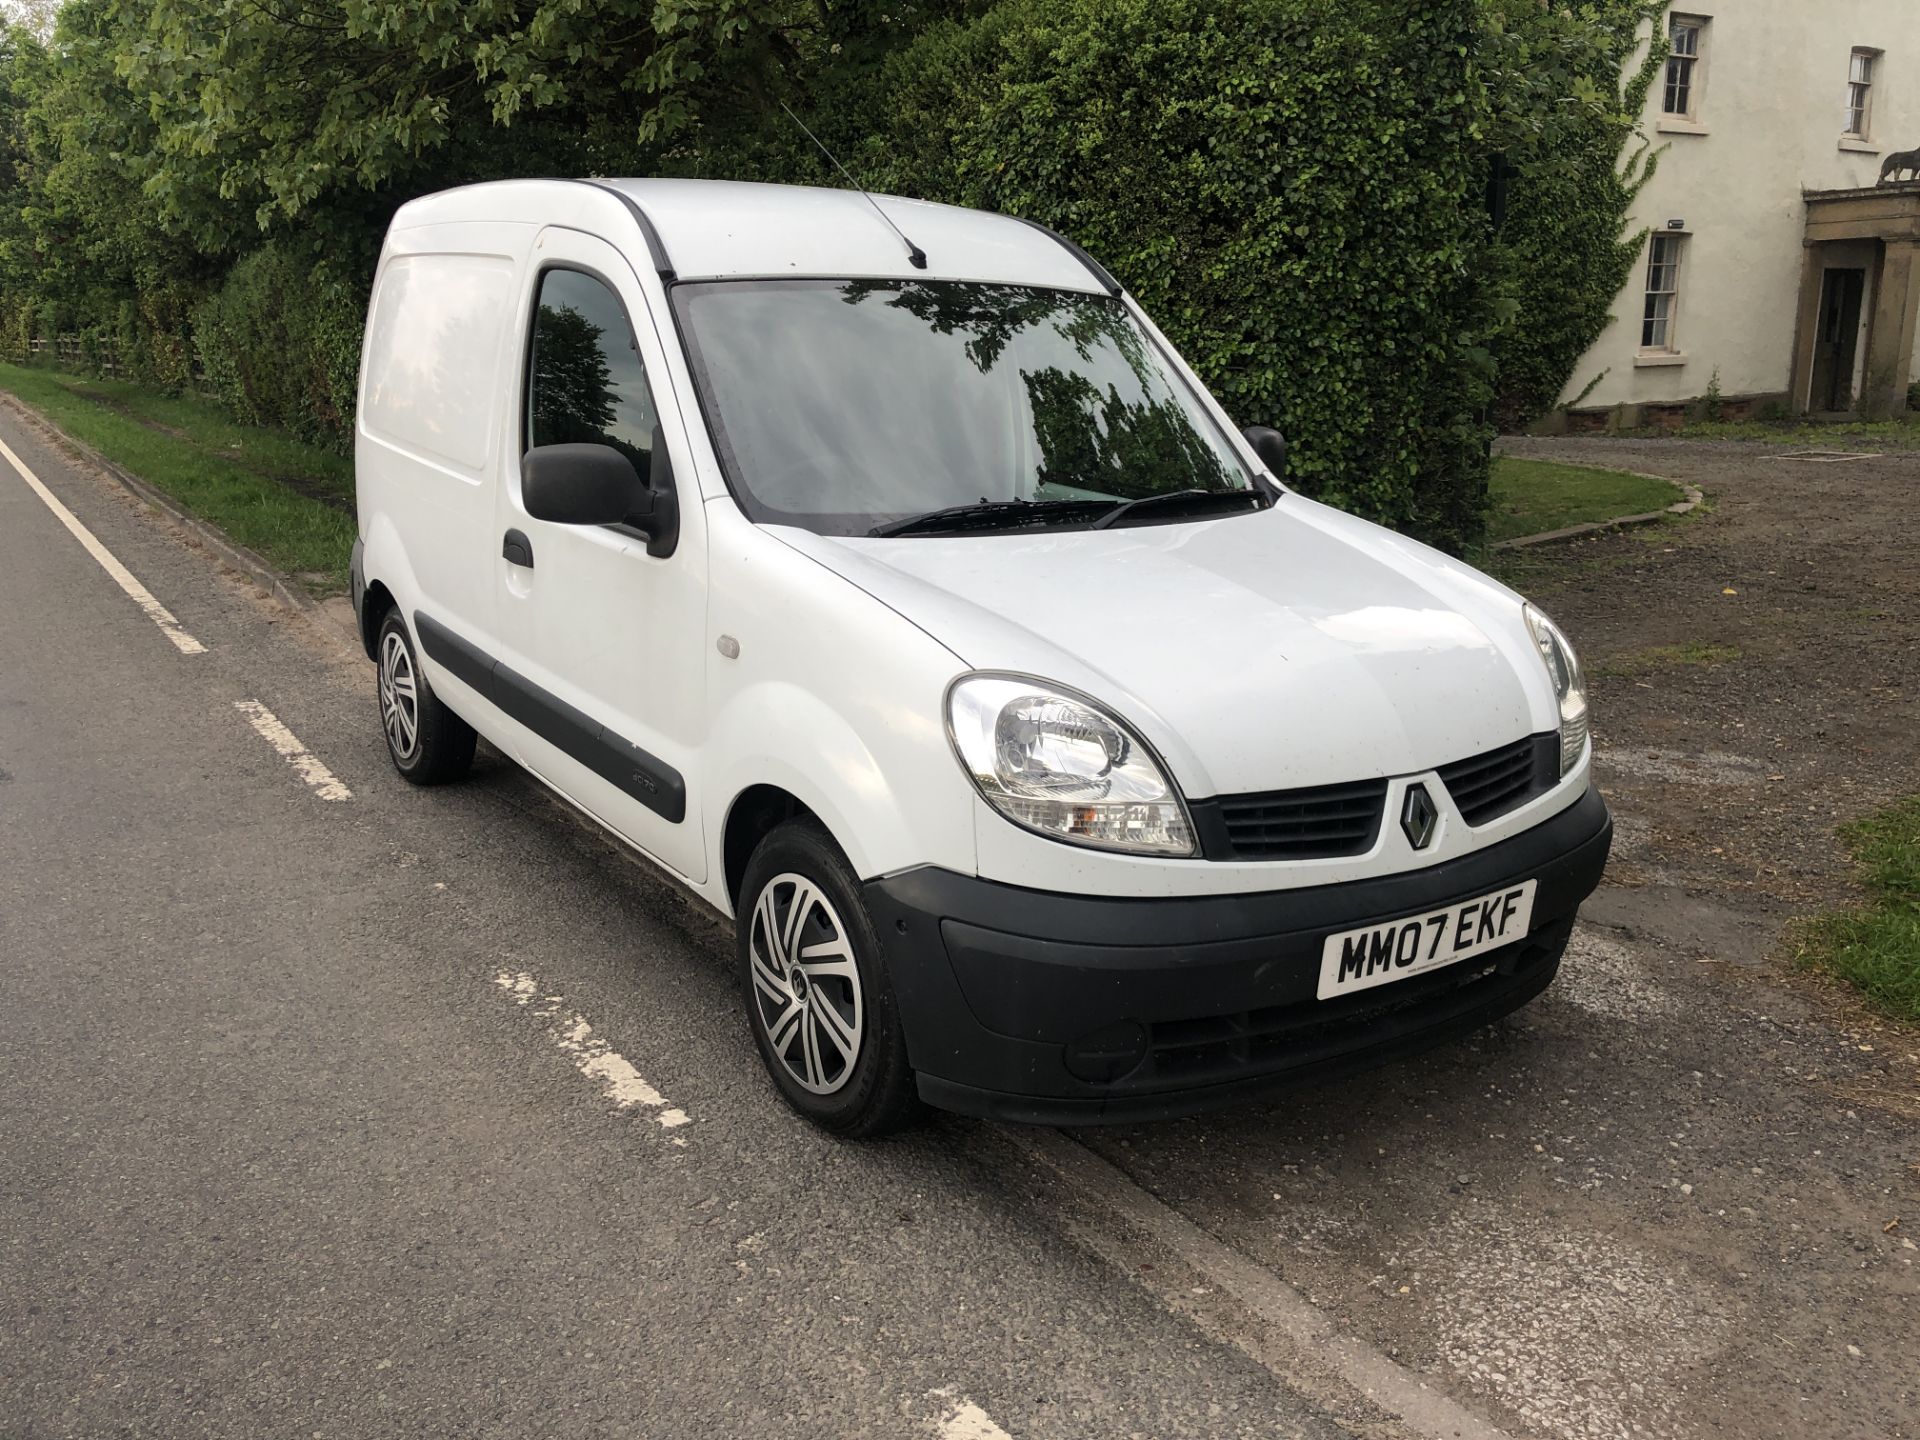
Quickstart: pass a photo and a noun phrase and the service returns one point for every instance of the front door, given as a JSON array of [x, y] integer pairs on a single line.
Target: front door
[[601, 643], [1838, 345]]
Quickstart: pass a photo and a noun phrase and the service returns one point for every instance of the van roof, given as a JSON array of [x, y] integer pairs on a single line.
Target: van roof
[[726, 229]]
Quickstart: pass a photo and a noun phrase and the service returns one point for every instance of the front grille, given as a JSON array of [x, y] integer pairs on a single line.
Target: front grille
[[1487, 786], [1330, 821], [1327, 821]]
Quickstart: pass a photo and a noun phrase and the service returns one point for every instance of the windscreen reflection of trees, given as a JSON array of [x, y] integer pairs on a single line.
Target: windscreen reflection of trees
[[574, 399], [1088, 439]]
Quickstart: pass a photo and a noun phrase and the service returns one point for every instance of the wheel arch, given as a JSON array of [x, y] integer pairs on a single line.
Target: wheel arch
[[869, 784], [374, 605], [755, 812]]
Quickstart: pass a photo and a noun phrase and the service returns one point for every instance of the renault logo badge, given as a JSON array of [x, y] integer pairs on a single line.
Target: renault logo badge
[[1418, 817]]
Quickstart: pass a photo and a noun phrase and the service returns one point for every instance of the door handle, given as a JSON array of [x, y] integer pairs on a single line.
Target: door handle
[[516, 549]]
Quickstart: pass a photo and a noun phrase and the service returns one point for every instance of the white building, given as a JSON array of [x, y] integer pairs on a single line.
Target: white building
[[1778, 271]]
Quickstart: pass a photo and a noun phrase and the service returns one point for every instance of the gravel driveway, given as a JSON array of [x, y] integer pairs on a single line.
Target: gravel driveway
[[1661, 1201]]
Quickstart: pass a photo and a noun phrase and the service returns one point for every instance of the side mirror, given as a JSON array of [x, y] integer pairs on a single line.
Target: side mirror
[[578, 484], [589, 484], [1271, 446]]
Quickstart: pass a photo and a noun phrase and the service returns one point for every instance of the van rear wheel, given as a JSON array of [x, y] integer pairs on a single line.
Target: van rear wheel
[[819, 1000], [430, 745]]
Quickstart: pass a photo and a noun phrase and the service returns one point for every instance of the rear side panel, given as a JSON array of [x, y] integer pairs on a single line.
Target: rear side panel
[[428, 438]]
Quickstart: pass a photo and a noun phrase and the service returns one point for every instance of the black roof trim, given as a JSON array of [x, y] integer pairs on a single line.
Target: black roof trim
[[656, 251], [1094, 267]]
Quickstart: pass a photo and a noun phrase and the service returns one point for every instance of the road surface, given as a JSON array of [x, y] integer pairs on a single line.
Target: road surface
[[337, 1108]]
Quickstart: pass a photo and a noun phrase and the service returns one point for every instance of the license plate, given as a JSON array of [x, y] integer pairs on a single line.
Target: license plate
[[1380, 954]]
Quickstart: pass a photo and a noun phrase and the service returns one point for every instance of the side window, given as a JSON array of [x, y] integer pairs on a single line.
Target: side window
[[585, 381]]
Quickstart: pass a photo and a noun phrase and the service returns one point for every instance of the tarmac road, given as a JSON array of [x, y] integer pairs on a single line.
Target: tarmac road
[[283, 1156], [337, 1108]]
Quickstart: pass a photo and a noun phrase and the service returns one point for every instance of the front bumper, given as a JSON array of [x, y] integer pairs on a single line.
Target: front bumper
[[1065, 1009]]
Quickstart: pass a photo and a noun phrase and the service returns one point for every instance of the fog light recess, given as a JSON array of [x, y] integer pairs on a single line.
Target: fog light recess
[[1105, 1055]]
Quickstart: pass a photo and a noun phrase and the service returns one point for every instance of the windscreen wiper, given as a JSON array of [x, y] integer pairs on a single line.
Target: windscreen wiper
[[1177, 499], [990, 515]]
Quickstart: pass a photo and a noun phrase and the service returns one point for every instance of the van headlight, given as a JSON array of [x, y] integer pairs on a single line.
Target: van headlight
[[1569, 685], [1054, 761]]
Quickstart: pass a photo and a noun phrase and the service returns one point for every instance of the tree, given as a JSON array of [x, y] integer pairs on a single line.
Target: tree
[[277, 109], [79, 245], [34, 17]]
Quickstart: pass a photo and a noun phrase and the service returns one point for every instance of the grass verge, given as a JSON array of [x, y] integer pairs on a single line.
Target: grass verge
[[1689, 655], [288, 502], [1876, 947], [1531, 497]]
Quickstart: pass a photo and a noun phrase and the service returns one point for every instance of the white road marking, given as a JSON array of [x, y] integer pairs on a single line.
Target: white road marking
[[304, 762], [122, 576], [961, 1419], [592, 1056]]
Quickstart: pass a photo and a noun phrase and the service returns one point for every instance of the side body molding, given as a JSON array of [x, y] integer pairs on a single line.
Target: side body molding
[[615, 759]]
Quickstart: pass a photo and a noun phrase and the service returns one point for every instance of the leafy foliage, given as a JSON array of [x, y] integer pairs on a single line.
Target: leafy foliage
[[1565, 114], [1295, 189], [291, 105], [280, 344], [1292, 188]]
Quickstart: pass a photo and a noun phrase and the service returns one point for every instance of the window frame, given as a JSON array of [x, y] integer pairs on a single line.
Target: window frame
[[1695, 60], [1861, 90], [1667, 345], [539, 280]]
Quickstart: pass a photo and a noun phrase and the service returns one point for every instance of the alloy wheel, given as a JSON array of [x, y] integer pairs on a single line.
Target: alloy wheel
[[806, 986], [399, 696]]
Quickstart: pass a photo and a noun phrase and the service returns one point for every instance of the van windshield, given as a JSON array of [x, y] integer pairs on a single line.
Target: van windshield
[[849, 406]]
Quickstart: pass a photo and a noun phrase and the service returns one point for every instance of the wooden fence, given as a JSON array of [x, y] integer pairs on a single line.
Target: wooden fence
[[69, 352]]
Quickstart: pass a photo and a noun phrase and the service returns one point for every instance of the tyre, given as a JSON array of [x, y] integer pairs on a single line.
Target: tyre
[[819, 1000], [430, 745]]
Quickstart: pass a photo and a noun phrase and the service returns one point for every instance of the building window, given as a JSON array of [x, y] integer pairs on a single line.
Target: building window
[[1860, 93], [1681, 96], [1663, 293]]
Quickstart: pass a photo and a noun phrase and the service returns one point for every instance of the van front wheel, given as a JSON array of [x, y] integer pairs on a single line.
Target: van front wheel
[[430, 745], [818, 996]]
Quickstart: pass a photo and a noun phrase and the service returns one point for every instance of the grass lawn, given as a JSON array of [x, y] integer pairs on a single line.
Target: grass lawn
[[1531, 497], [1877, 947], [265, 489]]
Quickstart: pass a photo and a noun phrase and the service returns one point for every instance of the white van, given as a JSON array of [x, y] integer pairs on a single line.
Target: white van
[[879, 570]]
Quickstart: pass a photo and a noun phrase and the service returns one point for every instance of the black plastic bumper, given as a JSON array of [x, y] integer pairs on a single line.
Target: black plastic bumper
[[1066, 1009]]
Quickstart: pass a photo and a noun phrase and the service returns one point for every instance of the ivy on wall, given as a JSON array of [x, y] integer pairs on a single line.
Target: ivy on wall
[[1563, 256]]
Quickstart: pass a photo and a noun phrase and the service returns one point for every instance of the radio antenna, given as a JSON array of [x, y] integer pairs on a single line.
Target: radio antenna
[[916, 257]]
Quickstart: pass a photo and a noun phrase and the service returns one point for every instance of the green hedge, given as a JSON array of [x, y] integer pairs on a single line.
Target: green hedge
[[1295, 189], [1292, 188], [279, 342]]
